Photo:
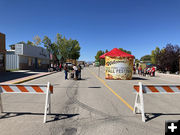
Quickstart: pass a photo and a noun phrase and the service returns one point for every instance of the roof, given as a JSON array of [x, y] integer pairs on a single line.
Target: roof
[[116, 53]]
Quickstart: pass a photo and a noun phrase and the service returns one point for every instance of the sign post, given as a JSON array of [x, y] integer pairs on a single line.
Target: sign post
[[97, 64]]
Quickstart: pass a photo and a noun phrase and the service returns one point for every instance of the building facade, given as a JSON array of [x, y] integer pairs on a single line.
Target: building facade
[[2, 52], [179, 64], [27, 57]]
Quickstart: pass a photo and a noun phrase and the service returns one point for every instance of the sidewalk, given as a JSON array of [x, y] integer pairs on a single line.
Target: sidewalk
[[167, 75], [20, 77]]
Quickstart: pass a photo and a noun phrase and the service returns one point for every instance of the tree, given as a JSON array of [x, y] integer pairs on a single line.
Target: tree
[[62, 49], [47, 43], [68, 49], [137, 61], [154, 55], [106, 51], [74, 52], [129, 52], [51, 47], [98, 54], [168, 58], [101, 61], [30, 43], [37, 40], [146, 58]]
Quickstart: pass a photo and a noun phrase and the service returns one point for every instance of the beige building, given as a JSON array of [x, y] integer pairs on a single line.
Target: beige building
[[179, 64], [27, 57], [2, 52]]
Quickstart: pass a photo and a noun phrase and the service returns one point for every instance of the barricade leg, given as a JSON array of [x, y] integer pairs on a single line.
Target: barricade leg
[[142, 109], [1, 106], [49, 99], [136, 108], [141, 101], [139, 105], [49, 106], [46, 104]]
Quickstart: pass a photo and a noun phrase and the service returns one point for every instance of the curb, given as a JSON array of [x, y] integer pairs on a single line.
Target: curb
[[28, 79], [33, 78], [168, 75]]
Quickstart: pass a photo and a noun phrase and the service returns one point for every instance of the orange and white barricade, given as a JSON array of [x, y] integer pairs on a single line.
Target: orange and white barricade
[[151, 89], [29, 89]]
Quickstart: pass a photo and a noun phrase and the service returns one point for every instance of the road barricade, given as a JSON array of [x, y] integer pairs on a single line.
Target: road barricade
[[151, 89], [29, 89]]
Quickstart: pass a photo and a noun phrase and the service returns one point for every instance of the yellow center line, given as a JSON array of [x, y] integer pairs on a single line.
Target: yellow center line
[[101, 80]]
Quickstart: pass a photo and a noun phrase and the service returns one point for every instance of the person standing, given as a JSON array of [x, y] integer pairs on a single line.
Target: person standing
[[140, 70], [60, 66], [153, 71], [75, 71], [134, 69], [79, 71], [66, 71]]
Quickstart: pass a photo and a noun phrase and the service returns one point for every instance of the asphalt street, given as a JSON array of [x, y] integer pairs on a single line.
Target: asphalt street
[[91, 106]]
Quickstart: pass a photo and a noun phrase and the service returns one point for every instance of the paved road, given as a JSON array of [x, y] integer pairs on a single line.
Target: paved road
[[88, 107]]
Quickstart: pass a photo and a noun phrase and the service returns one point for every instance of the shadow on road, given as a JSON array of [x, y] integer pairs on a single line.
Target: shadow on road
[[56, 86], [82, 79], [6, 76], [94, 87], [56, 116], [150, 116], [138, 78]]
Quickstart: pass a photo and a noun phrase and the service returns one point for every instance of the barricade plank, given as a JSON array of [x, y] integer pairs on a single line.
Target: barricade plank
[[167, 89], [7, 88], [22, 88], [152, 88], [38, 89], [178, 87]]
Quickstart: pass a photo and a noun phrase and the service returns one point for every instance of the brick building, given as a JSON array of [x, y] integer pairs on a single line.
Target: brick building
[[2, 52], [179, 64]]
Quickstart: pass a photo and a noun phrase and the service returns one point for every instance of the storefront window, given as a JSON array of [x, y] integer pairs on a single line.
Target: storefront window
[[29, 61], [1, 61], [39, 62]]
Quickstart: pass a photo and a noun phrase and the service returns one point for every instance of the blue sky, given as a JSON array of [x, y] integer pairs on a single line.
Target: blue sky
[[135, 25]]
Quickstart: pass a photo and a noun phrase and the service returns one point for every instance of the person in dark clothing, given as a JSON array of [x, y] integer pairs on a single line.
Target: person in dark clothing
[[79, 71], [66, 71]]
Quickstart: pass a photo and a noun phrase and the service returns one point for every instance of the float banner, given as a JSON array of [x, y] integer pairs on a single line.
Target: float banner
[[119, 68]]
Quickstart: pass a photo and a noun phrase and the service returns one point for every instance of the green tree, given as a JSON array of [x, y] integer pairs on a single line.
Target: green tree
[[29, 43], [62, 48], [74, 52], [101, 61], [51, 47], [106, 51], [137, 61], [146, 58], [129, 52], [37, 40], [154, 55], [47, 43]]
